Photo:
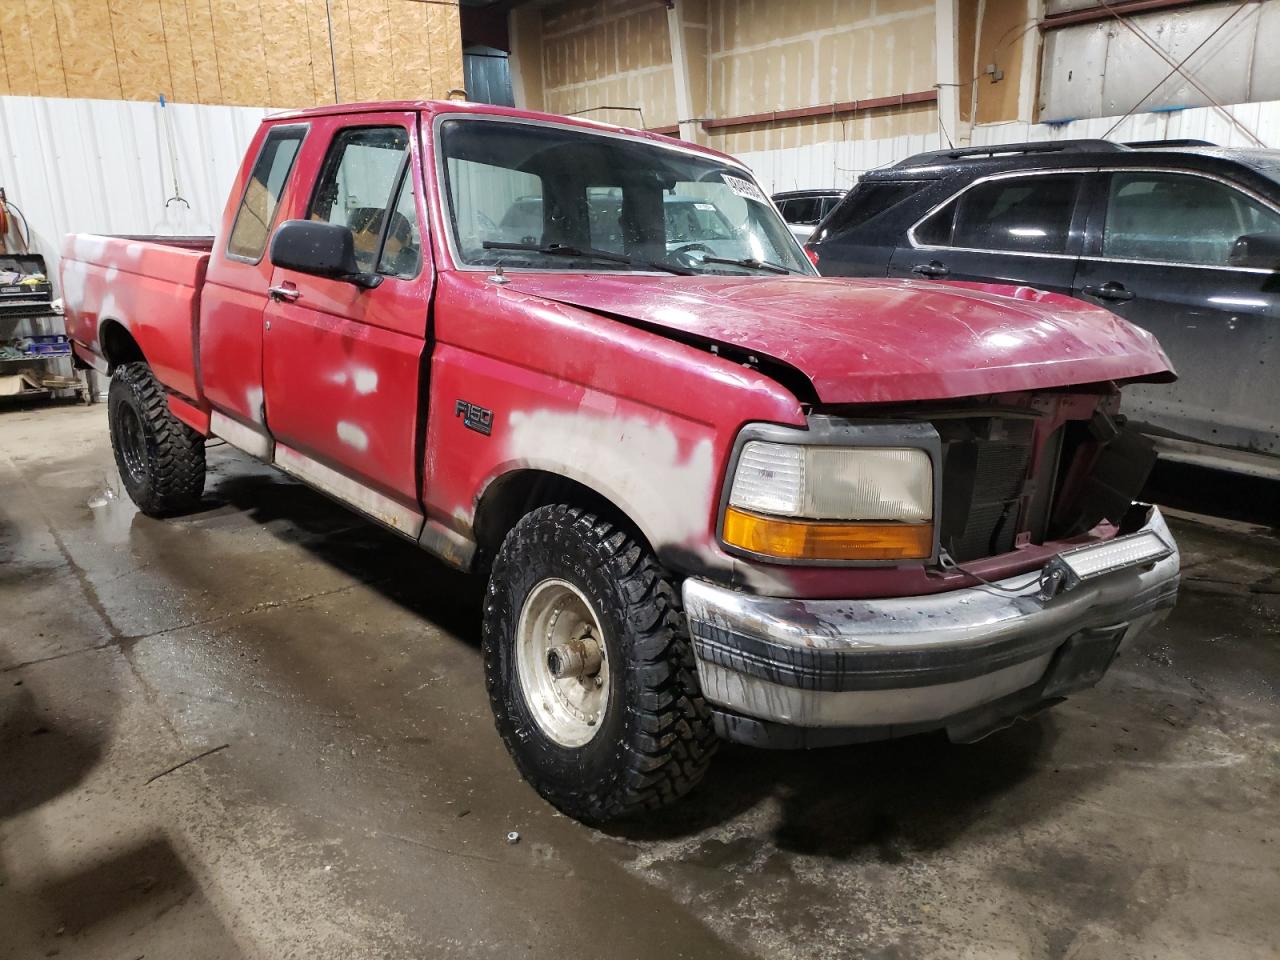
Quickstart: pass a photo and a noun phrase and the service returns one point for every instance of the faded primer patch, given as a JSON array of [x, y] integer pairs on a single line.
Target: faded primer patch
[[253, 403], [632, 460], [73, 285], [363, 380], [353, 436]]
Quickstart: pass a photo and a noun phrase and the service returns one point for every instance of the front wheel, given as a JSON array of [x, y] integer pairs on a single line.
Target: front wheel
[[161, 459], [589, 668]]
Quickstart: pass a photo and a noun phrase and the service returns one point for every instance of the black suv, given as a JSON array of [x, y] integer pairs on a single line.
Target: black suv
[[1180, 237]]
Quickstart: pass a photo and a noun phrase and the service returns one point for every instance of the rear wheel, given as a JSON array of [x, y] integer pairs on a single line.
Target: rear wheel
[[589, 668], [161, 459]]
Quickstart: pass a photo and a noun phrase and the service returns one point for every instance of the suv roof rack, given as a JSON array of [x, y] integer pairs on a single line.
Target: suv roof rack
[[1138, 144], [1000, 149]]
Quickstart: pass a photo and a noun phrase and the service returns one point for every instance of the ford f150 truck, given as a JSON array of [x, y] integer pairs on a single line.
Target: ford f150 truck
[[714, 494]]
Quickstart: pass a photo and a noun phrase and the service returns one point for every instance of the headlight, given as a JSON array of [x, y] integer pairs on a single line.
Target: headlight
[[798, 502]]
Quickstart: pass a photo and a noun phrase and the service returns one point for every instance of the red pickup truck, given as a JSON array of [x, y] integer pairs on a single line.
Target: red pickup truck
[[714, 494]]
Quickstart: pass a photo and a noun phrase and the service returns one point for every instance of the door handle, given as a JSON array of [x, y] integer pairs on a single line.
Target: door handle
[[287, 294], [1108, 291], [931, 269]]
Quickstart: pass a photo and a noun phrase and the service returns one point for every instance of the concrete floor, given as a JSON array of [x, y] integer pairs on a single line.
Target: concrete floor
[[358, 800]]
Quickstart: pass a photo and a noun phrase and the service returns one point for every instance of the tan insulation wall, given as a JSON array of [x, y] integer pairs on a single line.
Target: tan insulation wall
[[245, 52], [770, 56], [746, 57], [918, 118], [967, 54], [607, 53], [999, 40]]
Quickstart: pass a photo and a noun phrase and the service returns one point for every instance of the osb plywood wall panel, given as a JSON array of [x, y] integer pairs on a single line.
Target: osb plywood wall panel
[[244, 52], [83, 27], [608, 53]]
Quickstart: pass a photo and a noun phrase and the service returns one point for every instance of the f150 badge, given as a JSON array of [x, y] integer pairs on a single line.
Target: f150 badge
[[474, 417]]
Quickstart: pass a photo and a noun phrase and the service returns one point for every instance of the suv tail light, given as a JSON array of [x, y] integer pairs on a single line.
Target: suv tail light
[[811, 253]]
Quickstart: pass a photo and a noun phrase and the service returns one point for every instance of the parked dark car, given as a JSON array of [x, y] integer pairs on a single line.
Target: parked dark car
[[804, 209], [1180, 237]]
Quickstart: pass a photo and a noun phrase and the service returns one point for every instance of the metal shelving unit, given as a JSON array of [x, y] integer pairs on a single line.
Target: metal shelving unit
[[35, 355]]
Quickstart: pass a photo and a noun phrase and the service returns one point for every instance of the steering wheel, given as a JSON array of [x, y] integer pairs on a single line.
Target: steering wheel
[[688, 248]]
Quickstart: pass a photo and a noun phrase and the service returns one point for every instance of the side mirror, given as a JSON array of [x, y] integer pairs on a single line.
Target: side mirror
[[1256, 250], [321, 249]]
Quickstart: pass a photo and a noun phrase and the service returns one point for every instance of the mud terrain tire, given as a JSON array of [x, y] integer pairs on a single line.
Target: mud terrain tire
[[654, 737], [161, 459]]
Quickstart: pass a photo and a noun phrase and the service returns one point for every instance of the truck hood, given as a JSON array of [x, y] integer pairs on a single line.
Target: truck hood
[[879, 341]]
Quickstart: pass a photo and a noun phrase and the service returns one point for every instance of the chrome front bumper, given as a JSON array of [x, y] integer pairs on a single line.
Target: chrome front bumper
[[966, 660]]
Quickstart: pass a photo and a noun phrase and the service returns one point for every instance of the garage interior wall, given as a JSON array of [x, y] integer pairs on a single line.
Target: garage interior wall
[[230, 52], [752, 65], [106, 166], [1102, 68], [746, 57]]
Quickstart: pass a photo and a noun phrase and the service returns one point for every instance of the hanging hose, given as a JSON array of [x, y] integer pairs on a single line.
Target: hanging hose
[[8, 212]]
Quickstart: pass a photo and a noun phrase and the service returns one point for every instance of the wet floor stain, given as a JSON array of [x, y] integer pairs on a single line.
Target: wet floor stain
[[308, 688]]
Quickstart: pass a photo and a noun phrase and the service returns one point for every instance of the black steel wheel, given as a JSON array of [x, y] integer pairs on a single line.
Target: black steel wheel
[[161, 459]]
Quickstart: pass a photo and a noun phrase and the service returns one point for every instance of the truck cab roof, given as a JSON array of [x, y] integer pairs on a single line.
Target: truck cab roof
[[466, 107]]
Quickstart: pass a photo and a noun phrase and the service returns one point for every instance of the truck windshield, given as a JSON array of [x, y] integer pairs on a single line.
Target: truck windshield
[[527, 196]]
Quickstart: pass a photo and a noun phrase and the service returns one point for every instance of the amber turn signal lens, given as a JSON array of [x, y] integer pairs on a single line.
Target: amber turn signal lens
[[824, 540]]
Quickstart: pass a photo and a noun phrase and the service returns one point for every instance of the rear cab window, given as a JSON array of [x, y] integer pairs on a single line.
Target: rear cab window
[[261, 200], [1021, 214]]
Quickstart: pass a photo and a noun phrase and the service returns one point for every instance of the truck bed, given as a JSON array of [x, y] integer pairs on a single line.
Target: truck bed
[[150, 286]]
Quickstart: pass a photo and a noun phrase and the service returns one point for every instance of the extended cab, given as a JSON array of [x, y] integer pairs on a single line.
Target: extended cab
[[714, 494]]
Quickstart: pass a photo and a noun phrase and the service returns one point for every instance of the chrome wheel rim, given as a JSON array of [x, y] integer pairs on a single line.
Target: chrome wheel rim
[[570, 708]]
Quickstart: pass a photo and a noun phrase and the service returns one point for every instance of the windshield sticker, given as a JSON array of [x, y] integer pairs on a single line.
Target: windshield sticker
[[744, 188], [704, 206]]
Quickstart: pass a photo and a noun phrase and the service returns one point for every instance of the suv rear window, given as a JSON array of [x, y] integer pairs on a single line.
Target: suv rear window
[[802, 210], [870, 199], [1020, 214]]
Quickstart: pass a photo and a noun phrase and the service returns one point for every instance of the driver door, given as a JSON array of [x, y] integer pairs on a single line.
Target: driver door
[[342, 363]]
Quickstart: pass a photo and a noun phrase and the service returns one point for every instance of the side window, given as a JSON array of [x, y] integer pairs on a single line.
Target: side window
[[262, 194], [1020, 214], [402, 249], [360, 172], [1180, 218], [868, 200], [803, 210]]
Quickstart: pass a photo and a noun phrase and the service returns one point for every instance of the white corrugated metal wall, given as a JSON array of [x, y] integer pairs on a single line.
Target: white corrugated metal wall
[[104, 166], [1193, 123]]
